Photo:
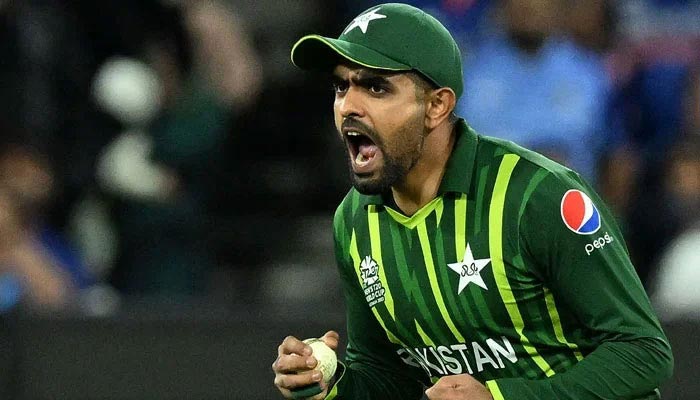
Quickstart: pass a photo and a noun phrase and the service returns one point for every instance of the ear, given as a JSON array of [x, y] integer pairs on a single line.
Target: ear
[[439, 104]]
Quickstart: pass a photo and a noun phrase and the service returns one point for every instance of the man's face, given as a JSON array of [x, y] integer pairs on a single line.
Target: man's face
[[531, 19], [381, 118]]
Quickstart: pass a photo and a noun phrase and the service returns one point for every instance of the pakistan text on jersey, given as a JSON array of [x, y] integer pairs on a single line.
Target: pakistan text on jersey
[[460, 358]]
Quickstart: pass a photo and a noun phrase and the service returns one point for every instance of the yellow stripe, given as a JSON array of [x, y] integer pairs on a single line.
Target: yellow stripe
[[376, 241], [334, 390], [556, 322], [495, 390], [333, 393], [420, 215], [439, 208], [355, 255], [496, 249], [461, 225], [427, 340], [428, 257]]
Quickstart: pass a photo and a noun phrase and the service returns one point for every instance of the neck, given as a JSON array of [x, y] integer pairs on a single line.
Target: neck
[[421, 184]]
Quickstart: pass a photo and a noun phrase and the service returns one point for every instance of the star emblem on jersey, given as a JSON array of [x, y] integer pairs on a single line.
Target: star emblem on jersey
[[363, 20], [469, 270]]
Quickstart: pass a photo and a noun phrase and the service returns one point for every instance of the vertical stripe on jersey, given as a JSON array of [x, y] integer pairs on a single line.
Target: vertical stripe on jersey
[[548, 297], [480, 198], [355, 254], [461, 225], [556, 322], [426, 339], [444, 274], [376, 242], [407, 278], [430, 267], [498, 200], [473, 304], [439, 208], [460, 231], [495, 390]]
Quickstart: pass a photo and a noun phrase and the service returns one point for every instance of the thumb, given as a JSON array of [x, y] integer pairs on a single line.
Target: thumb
[[331, 339]]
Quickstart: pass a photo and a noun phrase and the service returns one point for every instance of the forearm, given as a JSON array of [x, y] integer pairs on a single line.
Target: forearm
[[615, 370]]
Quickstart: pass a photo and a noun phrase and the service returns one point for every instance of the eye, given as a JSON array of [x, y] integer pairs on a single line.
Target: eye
[[377, 89], [340, 87]]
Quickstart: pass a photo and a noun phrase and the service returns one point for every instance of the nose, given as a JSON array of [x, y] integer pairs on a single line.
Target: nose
[[350, 104]]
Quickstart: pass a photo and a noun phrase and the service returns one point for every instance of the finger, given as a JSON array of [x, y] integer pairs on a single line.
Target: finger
[[331, 339], [292, 345], [292, 381], [293, 363]]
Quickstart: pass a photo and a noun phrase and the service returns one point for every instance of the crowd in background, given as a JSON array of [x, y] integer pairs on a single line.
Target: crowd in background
[[170, 149]]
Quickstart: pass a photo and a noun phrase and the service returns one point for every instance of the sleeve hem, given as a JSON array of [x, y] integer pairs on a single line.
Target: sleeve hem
[[334, 390]]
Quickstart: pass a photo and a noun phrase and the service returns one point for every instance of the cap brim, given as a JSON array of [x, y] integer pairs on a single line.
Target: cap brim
[[315, 52]]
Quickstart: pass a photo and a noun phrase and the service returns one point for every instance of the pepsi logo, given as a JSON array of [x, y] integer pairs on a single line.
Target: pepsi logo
[[579, 213]]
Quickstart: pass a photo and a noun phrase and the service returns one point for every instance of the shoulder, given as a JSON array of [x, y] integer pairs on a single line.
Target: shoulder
[[346, 211], [492, 150], [532, 176], [348, 206]]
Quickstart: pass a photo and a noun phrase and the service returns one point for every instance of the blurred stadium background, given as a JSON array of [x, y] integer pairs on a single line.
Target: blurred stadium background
[[167, 178]]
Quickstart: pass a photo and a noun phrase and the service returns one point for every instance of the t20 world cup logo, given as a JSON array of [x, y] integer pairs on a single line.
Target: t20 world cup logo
[[369, 270]]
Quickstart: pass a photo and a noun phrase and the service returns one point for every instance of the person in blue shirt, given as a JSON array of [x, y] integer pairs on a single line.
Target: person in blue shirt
[[38, 267], [539, 89]]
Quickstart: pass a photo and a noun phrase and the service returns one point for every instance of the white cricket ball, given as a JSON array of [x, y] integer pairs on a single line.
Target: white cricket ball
[[327, 360]]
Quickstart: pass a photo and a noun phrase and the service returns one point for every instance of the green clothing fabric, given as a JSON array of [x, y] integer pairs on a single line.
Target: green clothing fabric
[[487, 279]]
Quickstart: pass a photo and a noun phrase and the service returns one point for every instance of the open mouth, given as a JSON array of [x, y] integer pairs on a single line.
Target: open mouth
[[363, 151]]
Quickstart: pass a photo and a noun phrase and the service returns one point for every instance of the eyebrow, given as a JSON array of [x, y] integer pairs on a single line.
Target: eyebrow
[[366, 78]]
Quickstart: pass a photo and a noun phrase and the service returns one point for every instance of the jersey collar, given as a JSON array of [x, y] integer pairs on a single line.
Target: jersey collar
[[459, 169], [460, 166]]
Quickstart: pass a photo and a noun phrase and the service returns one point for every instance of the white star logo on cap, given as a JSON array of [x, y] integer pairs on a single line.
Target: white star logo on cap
[[362, 21], [469, 270]]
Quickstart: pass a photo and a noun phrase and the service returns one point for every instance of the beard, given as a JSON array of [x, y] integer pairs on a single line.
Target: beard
[[399, 157], [392, 172]]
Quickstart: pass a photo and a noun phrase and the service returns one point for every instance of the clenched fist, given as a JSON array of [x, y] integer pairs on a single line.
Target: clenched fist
[[294, 366]]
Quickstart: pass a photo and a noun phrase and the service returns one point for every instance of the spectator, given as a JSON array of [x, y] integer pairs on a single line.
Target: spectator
[[163, 168], [678, 275], [37, 265], [536, 87], [659, 113], [592, 24]]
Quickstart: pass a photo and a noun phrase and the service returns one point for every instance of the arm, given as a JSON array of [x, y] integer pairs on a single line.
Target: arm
[[630, 355]]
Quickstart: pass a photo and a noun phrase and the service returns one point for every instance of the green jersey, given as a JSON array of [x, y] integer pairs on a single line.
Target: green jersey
[[515, 273]]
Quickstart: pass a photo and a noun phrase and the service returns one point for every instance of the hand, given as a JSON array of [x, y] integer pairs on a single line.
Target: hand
[[458, 387], [294, 365]]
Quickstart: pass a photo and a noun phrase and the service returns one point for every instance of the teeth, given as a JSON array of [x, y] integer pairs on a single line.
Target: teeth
[[353, 133], [360, 158]]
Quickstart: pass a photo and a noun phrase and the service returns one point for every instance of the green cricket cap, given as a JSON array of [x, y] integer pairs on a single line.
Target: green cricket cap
[[392, 36]]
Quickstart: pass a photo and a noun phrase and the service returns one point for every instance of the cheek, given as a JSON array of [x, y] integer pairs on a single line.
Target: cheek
[[337, 117], [400, 118], [405, 133]]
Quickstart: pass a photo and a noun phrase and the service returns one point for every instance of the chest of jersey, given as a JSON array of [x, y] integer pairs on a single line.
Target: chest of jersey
[[444, 284]]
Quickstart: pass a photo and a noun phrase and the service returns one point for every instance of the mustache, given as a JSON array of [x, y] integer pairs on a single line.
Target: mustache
[[353, 124]]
